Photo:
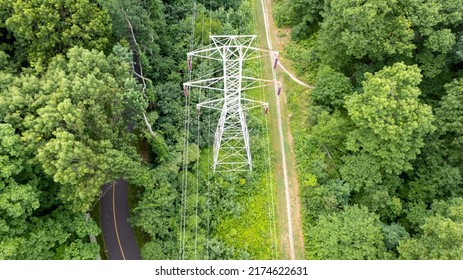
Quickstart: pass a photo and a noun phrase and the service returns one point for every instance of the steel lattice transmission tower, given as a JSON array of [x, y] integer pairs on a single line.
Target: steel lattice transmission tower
[[231, 149]]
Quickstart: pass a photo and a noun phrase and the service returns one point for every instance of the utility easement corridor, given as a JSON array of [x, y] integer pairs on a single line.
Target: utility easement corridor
[[287, 190], [282, 146]]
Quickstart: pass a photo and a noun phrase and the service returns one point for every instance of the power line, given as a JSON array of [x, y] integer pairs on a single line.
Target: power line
[[209, 154], [198, 143], [187, 132], [197, 190], [282, 146], [269, 176]]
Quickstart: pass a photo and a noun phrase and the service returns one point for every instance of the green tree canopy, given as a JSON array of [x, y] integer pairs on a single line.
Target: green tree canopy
[[391, 121], [442, 234], [44, 28], [433, 177], [61, 235], [331, 88], [353, 234], [19, 196], [372, 29], [72, 120], [449, 116]]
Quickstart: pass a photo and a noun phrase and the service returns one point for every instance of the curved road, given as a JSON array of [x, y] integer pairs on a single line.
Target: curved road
[[118, 235]]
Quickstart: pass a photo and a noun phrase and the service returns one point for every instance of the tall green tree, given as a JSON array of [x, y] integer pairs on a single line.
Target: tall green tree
[[369, 29], [19, 195], [44, 28], [441, 236], [331, 88], [73, 120], [433, 176], [352, 234], [391, 121], [142, 24], [449, 116], [302, 15], [63, 235]]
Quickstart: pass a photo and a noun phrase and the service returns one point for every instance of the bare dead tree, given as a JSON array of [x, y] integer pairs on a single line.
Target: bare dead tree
[[139, 75]]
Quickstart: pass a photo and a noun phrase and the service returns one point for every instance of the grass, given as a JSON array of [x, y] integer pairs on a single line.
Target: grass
[[254, 229], [297, 56], [250, 231], [289, 88], [274, 140]]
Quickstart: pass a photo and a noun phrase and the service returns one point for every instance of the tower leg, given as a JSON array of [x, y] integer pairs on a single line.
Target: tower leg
[[218, 137], [245, 132]]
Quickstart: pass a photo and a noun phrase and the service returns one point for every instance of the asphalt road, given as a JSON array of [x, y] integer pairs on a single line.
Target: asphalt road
[[118, 235]]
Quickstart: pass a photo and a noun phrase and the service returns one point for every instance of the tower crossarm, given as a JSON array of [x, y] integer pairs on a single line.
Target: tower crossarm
[[251, 104], [216, 53], [216, 104], [209, 53], [259, 53], [248, 83], [206, 83]]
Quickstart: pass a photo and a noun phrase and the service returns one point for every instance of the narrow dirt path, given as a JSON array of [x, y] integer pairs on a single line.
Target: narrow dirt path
[[294, 78], [282, 145], [293, 242]]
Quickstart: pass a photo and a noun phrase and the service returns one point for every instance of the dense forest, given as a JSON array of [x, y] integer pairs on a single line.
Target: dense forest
[[91, 91], [379, 154], [74, 76]]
